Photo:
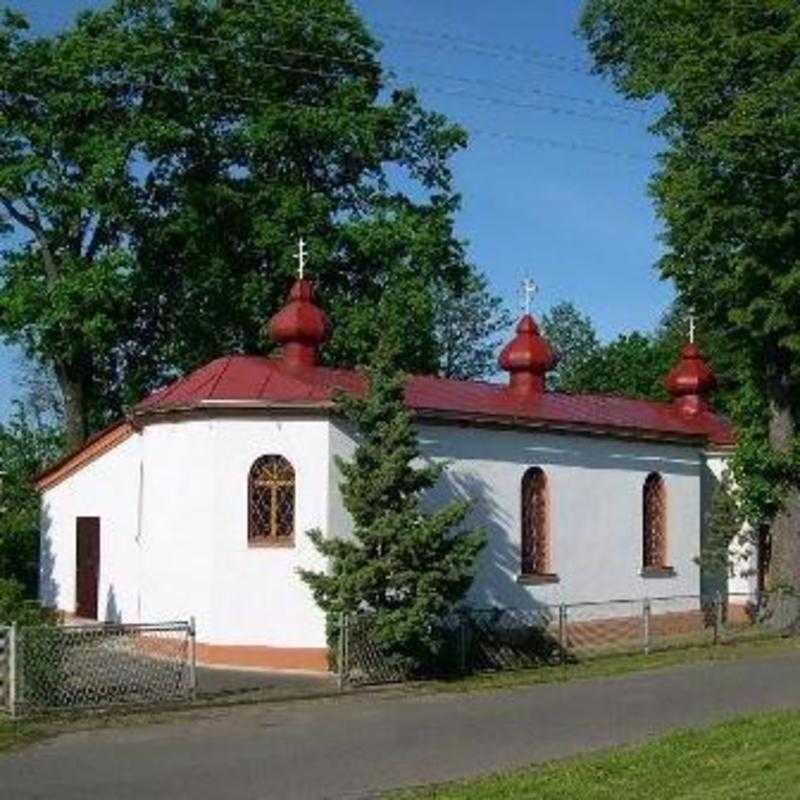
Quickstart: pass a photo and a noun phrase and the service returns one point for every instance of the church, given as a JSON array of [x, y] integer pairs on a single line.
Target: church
[[198, 503]]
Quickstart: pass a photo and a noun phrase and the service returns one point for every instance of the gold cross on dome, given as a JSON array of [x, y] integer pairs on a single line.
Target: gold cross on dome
[[528, 290], [301, 256]]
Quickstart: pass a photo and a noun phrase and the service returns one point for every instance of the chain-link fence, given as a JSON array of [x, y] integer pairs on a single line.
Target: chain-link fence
[[98, 666], [5, 695], [491, 639]]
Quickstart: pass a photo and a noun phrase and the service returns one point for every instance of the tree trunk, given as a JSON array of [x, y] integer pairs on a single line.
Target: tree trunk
[[784, 566], [74, 407]]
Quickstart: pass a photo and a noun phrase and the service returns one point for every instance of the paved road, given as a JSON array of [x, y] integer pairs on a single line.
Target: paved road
[[227, 682], [355, 747]]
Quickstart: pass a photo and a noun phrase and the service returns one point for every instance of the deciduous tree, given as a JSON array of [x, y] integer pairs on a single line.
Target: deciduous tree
[[727, 80], [159, 158], [25, 447], [574, 340]]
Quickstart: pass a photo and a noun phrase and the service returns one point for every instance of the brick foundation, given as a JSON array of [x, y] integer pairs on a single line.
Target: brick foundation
[[255, 656]]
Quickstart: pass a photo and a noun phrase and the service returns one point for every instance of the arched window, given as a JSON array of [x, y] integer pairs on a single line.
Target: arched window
[[654, 523], [535, 533], [270, 501]]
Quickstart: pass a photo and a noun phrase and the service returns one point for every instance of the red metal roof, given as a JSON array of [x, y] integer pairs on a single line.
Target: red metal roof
[[268, 381]]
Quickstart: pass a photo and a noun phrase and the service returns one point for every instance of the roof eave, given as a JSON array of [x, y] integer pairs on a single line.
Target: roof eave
[[585, 429], [95, 447], [115, 434]]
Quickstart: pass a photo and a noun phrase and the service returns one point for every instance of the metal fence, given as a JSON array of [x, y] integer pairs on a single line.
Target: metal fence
[[475, 640], [5, 661], [98, 666]]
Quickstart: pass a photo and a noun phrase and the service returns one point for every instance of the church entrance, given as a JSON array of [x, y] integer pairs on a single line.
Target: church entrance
[[87, 532]]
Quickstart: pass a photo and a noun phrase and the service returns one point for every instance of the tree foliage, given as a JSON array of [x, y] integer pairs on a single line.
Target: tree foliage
[[727, 78], [470, 324], [159, 158], [17, 606], [573, 338], [25, 447], [724, 527], [633, 364], [406, 565]]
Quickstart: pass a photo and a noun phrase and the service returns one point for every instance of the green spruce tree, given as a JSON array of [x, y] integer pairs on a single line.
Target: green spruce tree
[[404, 564], [723, 527]]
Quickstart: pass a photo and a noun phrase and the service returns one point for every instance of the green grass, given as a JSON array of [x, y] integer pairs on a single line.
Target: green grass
[[16, 734], [610, 666], [748, 758]]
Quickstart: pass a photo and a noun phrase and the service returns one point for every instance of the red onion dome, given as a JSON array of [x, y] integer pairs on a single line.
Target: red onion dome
[[691, 381], [300, 327], [528, 357]]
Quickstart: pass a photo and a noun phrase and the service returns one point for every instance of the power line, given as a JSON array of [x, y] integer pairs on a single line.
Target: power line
[[486, 99], [573, 145], [504, 51], [552, 109], [386, 76], [618, 107], [389, 68], [499, 48], [561, 144], [590, 101]]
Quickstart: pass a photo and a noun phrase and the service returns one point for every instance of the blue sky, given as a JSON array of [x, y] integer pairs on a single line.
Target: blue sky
[[554, 181]]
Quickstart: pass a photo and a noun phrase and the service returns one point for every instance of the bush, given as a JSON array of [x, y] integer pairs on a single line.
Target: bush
[[16, 607]]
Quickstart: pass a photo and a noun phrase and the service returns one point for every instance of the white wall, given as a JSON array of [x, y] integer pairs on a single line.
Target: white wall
[[107, 488], [595, 489], [190, 556], [742, 551], [178, 499], [178, 546], [257, 596], [198, 561]]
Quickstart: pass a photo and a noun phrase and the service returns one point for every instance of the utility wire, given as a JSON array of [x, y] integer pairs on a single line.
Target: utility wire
[[542, 142], [551, 109], [281, 67], [504, 135], [499, 48], [396, 70]]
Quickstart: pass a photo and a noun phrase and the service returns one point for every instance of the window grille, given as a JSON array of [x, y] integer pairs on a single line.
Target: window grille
[[654, 515], [535, 545], [271, 501]]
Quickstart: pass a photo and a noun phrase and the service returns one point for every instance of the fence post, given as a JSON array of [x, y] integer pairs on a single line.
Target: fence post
[[12, 670], [341, 651], [192, 658], [562, 631], [462, 644], [717, 616], [646, 623]]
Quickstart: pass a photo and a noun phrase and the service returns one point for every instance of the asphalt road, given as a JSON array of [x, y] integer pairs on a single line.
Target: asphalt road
[[356, 747]]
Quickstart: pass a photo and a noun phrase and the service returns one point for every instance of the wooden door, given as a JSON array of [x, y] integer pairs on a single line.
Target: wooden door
[[87, 531]]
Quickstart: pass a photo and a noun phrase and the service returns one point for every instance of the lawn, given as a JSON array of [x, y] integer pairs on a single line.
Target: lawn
[[15, 734], [753, 757], [609, 666]]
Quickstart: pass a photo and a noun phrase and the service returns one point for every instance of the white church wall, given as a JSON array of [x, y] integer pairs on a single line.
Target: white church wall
[[595, 490], [257, 596], [177, 504], [172, 502], [106, 488], [743, 581], [173, 506]]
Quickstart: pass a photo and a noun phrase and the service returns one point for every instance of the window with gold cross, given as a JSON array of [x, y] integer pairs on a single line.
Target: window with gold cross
[[271, 499]]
